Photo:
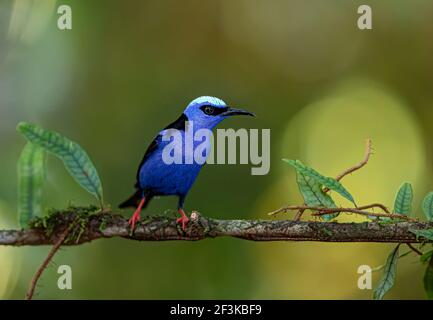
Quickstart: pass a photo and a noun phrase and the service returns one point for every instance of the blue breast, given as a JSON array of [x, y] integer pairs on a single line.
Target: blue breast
[[169, 179]]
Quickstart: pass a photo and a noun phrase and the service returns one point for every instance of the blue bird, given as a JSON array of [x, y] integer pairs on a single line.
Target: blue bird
[[157, 178]]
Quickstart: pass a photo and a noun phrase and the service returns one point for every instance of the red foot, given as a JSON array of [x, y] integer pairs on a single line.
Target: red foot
[[136, 216], [183, 220]]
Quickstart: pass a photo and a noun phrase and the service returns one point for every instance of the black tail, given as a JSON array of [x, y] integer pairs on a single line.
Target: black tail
[[134, 200]]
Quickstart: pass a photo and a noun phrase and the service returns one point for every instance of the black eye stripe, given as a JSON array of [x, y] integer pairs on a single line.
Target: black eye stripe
[[216, 110]]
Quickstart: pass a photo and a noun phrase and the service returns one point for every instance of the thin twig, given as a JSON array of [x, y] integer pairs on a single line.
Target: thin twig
[[31, 290], [364, 161], [375, 205], [320, 211], [414, 249], [298, 215], [326, 211]]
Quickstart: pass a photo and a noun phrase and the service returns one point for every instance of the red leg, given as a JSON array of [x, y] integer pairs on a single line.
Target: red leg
[[183, 219], [136, 216]]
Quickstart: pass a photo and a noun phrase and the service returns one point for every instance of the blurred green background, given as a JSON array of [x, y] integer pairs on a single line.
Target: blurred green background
[[127, 68]]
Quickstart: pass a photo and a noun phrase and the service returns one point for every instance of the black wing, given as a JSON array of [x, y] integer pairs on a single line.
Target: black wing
[[178, 124], [150, 149]]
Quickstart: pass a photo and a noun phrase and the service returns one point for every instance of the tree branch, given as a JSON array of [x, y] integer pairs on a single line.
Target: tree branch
[[161, 228]]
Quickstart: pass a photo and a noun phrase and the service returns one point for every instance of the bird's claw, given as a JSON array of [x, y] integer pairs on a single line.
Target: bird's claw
[[136, 216], [183, 219], [134, 219]]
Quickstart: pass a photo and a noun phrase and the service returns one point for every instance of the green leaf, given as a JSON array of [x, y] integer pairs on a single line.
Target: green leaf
[[75, 159], [428, 280], [403, 199], [388, 277], [328, 182], [424, 233], [31, 175], [427, 206], [313, 194], [426, 256]]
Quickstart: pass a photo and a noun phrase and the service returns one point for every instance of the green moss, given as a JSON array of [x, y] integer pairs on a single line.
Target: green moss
[[327, 232], [74, 217], [103, 224], [390, 221]]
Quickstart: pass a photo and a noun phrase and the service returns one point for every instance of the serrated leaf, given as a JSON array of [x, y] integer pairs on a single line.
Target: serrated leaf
[[388, 277], [403, 199], [75, 159], [424, 233], [313, 194], [427, 206], [31, 175], [328, 182], [428, 280]]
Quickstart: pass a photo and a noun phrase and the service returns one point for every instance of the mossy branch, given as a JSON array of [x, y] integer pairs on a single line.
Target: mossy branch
[[92, 226]]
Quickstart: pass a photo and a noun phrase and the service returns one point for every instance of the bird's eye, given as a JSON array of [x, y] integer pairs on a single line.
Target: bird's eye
[[208, 110]]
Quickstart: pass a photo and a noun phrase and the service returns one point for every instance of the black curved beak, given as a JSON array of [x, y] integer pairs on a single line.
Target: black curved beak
[[237, 112]]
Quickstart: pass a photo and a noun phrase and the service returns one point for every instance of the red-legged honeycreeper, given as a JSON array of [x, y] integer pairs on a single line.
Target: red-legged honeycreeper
[[157, 178]]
